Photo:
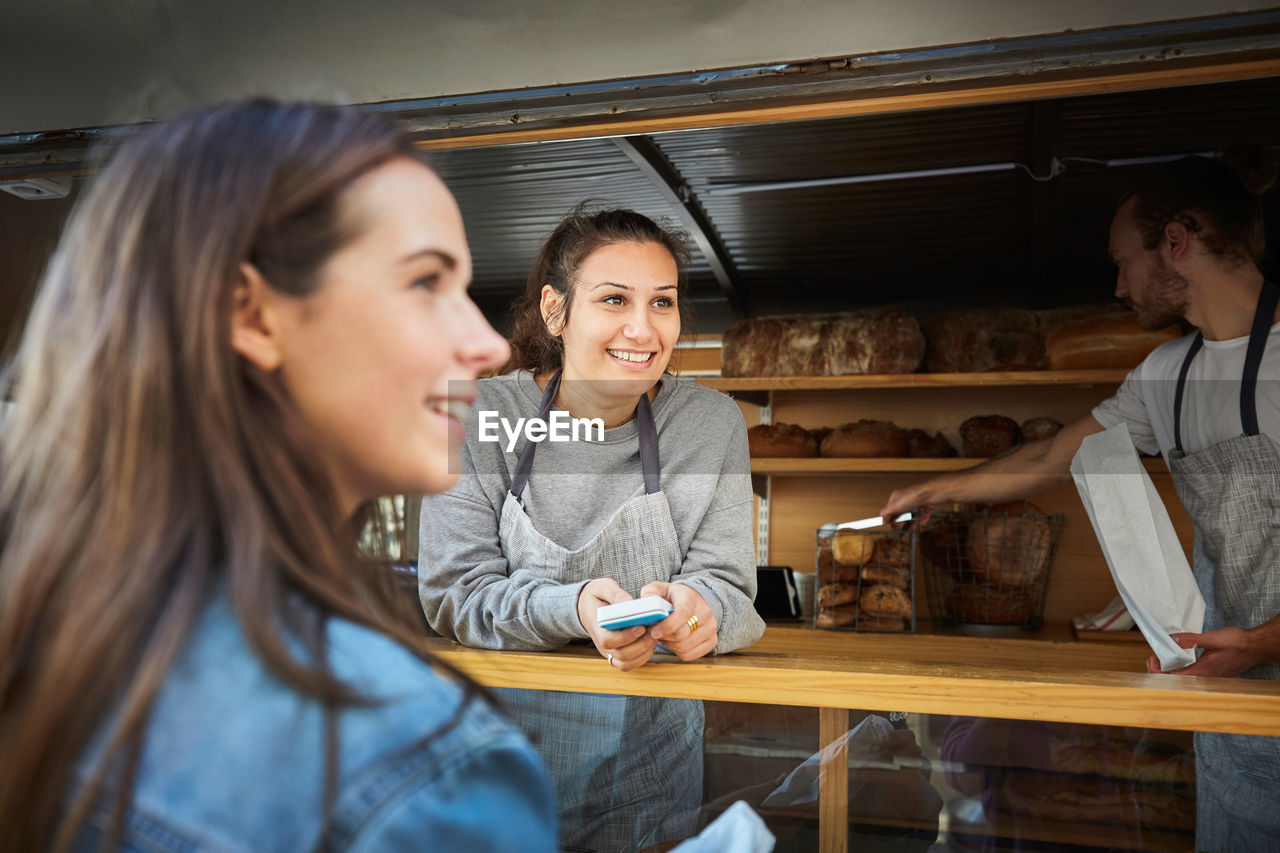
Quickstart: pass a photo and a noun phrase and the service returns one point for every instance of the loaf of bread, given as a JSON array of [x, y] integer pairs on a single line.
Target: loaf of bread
[[750, 347], [884, 599], [1081, 337], [885, 574], [852, 548], [1153, 759], [989, 604], [985, 436], [1055, 318], [1102, 343], [867, 439], [1009, 545], [1036, 429], [769, 441], [893, 551], [840, 573], [875, 341], [837, 617], [981, 341], [878, 340], [921, 445], [802, 349], [835, 594], [1096, 800]]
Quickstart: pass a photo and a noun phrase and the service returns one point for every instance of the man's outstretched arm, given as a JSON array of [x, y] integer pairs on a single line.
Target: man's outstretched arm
[[1027, 469]]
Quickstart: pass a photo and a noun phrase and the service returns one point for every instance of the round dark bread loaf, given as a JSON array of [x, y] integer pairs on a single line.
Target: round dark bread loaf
[[819, 434], [925, 446], [1009, 544], [1036, 429], [867, 439], [767, 441], [985, 436]]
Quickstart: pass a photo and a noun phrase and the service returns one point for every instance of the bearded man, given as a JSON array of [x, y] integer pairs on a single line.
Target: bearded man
[[1188, 242]]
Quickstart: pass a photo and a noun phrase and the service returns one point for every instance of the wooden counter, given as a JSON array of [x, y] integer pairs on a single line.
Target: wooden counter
[[1048, 676]]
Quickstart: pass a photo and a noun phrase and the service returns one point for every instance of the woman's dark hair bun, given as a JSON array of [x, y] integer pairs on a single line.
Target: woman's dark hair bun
[[1255, 167]]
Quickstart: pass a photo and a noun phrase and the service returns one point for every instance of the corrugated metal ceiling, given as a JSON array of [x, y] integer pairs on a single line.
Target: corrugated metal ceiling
[[940, 242], [513, 197]]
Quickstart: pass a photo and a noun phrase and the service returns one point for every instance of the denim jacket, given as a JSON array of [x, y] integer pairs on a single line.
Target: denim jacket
[[234, 760]]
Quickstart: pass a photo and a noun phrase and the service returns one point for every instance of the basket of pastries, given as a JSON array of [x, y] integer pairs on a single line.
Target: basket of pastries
[[865, 580]]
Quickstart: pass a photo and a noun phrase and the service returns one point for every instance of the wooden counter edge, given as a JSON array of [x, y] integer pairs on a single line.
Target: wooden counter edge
[[1235, 706]]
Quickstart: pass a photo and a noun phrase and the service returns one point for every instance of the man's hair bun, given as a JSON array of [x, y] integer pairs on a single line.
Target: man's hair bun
[[1255, 167]]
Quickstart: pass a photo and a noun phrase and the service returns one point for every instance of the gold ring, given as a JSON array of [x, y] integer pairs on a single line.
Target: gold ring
[[693, 624], [610, 660]]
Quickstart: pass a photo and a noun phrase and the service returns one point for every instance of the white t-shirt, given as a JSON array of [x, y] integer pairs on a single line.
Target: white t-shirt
[[1210, 403]]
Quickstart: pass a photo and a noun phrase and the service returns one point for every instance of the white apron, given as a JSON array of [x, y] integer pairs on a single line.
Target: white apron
[[627, 769], [1232, 493]]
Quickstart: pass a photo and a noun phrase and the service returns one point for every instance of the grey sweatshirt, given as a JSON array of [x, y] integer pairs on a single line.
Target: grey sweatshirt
[[574, 489]]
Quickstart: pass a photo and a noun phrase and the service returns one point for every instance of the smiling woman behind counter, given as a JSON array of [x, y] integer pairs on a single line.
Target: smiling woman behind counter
[[542, 536]]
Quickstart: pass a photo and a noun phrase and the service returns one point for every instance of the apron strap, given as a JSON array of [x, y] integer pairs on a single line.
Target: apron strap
[[1267, 301], [648, 433], [646, 429], [1196, 343], [525, 463]]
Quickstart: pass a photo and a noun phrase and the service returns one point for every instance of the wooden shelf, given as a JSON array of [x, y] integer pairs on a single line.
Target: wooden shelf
[[824, 467], [916, 380]]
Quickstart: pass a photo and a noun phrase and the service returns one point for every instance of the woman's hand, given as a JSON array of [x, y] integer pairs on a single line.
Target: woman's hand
[[686, 642], [626, 649]]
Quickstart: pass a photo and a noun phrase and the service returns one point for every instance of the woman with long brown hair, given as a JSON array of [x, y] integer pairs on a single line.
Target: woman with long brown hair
[[256, 321], [656, 504]]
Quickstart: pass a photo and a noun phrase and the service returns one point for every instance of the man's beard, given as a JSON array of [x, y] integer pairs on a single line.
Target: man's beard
[[1165, 298]]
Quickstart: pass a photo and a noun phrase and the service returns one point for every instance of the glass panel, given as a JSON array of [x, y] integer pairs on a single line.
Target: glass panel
[[939, 783]]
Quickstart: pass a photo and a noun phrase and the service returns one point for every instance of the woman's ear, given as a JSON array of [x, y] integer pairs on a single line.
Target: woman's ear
[[552, 315], [255, 332]]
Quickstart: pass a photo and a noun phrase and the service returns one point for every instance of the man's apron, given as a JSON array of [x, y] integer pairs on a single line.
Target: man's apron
[[1232, 493], [627, 769]]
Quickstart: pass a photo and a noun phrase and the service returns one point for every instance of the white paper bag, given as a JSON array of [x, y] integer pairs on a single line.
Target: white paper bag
[[1147, 562], [738, 830]]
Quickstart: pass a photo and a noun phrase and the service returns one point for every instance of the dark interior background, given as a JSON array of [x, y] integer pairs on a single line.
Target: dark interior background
[[993, 238], [996, 238]]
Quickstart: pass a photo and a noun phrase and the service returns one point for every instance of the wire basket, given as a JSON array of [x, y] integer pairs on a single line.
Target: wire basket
[[865, 581], [988, 570]]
